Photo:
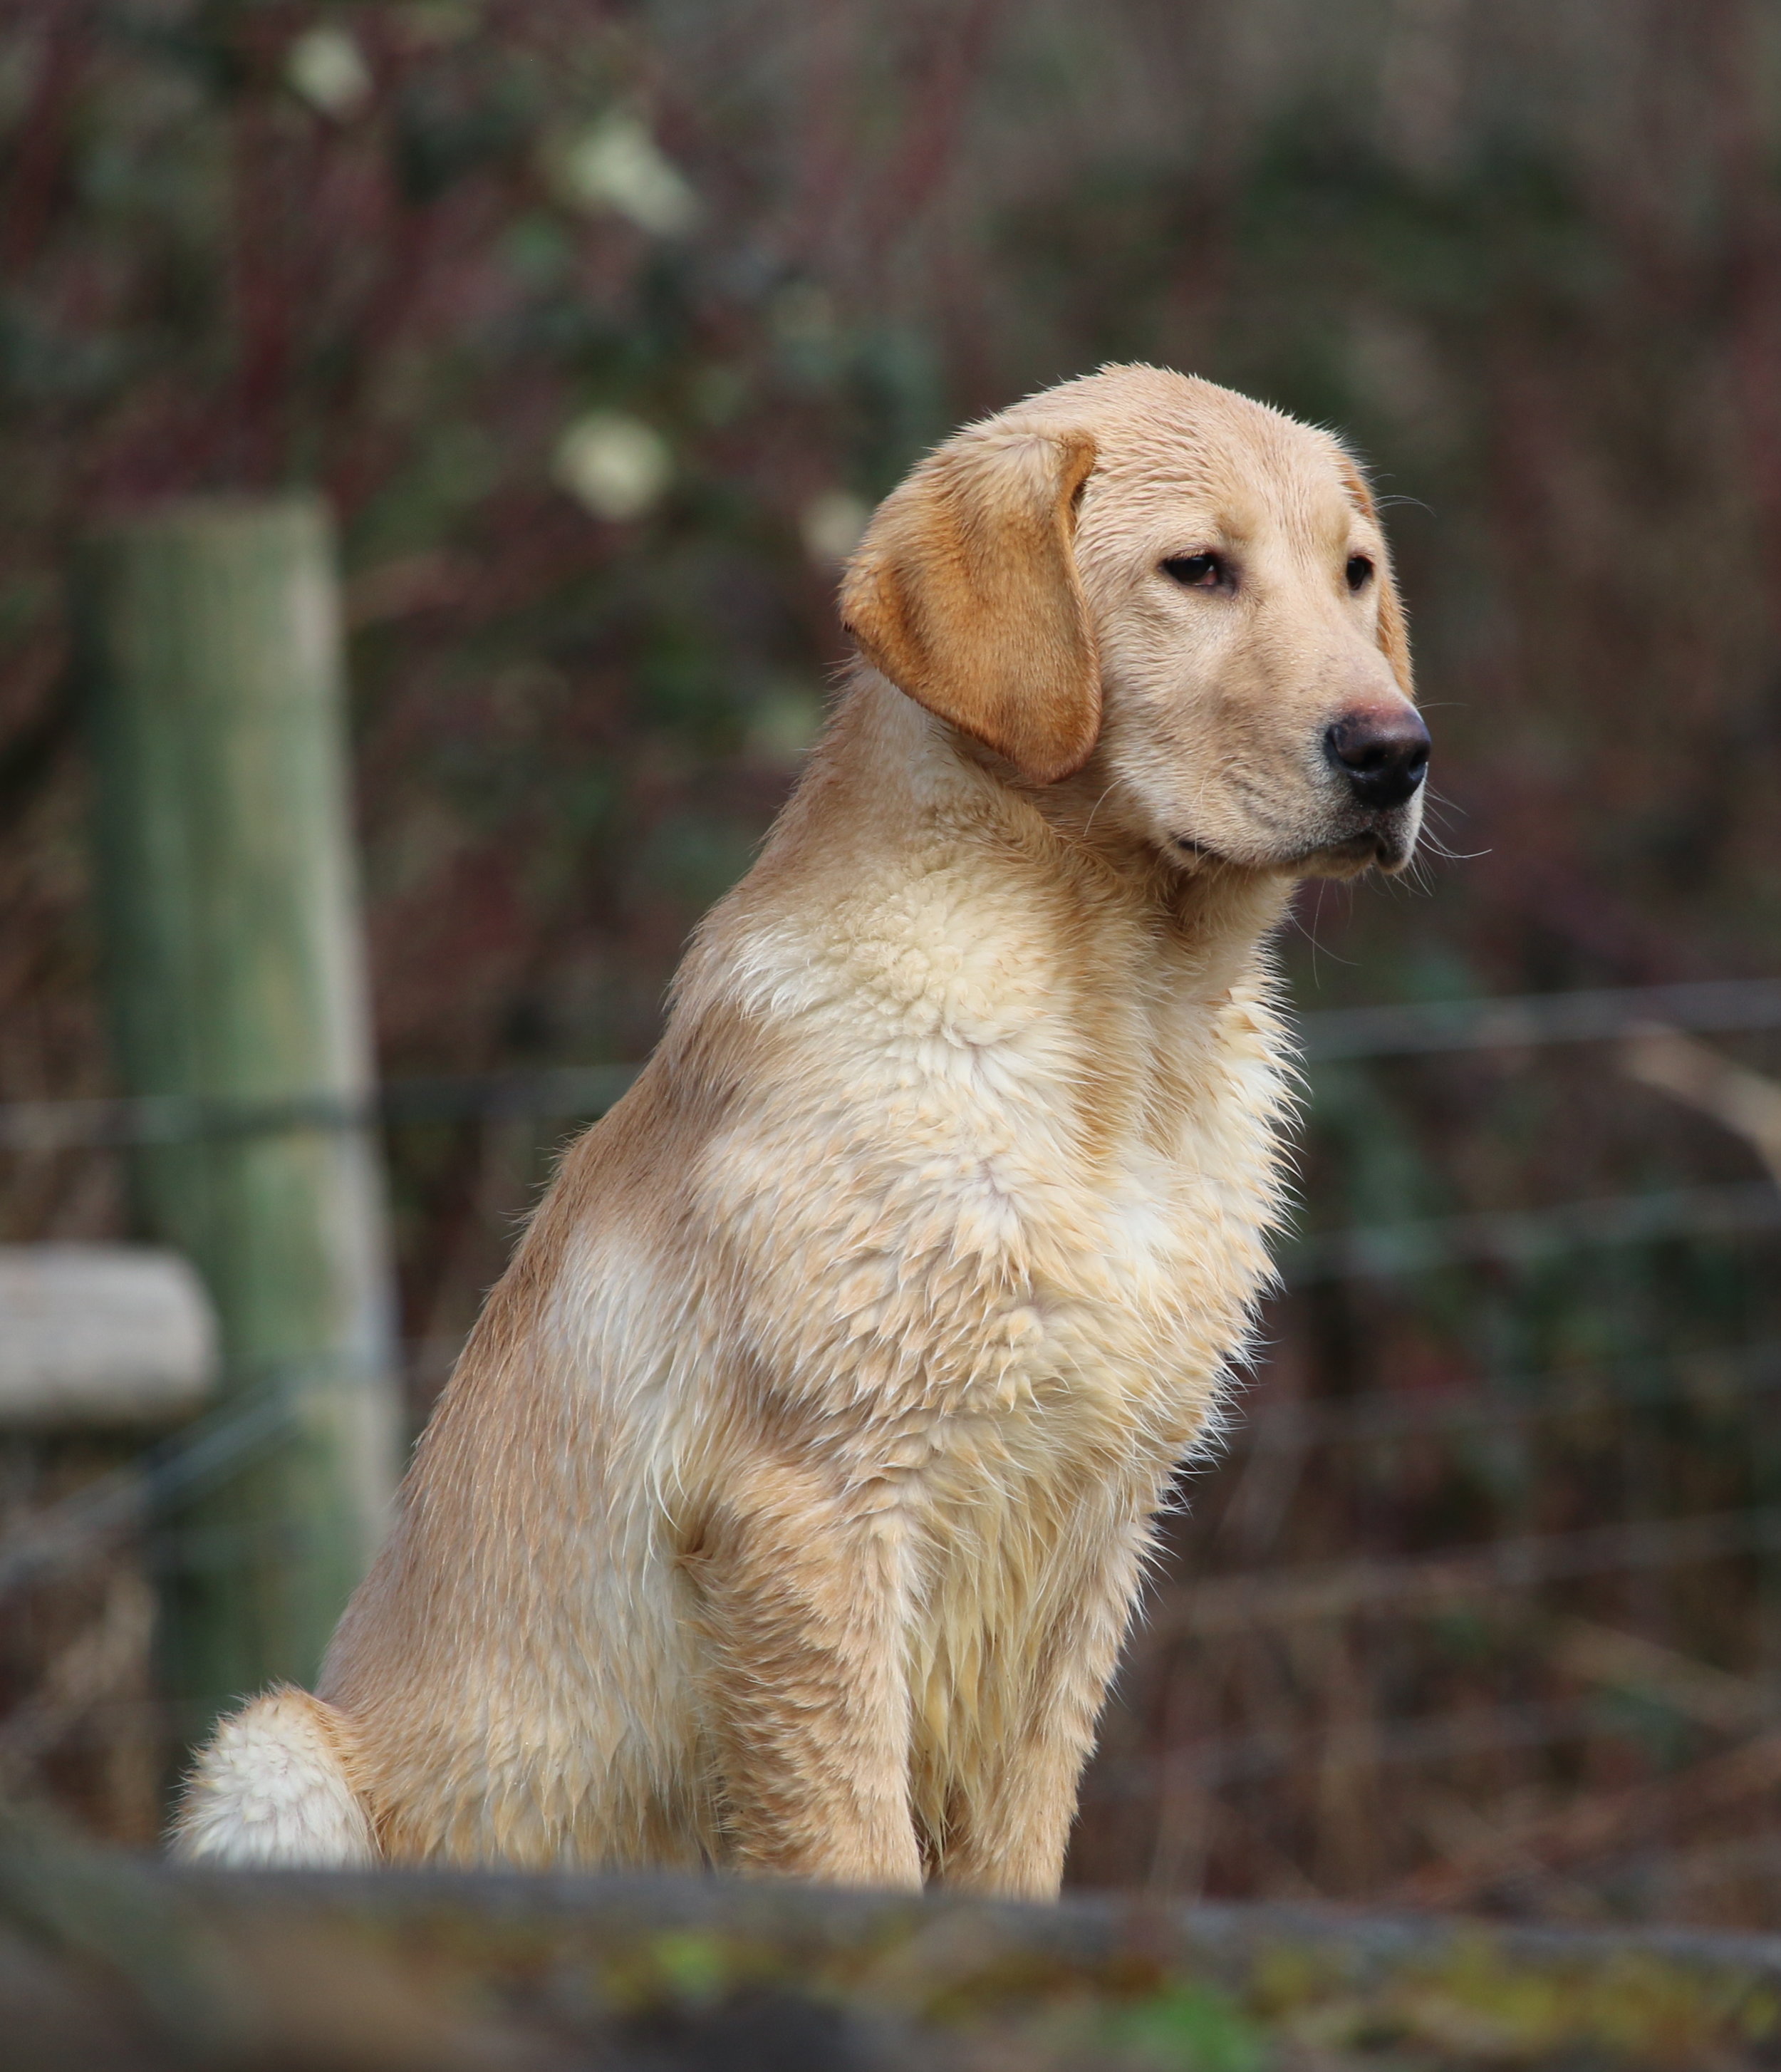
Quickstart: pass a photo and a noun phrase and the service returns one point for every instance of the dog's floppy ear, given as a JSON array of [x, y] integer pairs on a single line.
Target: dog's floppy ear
[[964, 592], [1394, 633]]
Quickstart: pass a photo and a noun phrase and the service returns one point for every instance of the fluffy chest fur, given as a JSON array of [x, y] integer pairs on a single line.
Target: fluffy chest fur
[[993, 1208]]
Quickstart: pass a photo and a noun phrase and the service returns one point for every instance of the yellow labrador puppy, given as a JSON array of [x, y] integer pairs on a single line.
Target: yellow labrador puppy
[[790, 1502]]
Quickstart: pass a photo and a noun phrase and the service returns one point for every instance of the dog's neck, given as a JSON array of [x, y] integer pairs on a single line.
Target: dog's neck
[[903, 777], [1199, 901]]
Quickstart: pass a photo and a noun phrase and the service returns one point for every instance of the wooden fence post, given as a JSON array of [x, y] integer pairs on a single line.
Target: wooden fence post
[[210, 654]]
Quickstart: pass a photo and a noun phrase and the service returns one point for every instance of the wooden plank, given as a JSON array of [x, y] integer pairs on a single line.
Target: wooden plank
[[101, 1335]]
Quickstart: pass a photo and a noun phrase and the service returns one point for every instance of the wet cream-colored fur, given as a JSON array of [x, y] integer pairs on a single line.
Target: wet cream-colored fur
[[789, 1502]]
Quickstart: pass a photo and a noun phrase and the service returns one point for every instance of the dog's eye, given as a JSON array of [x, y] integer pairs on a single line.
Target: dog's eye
[[1359, 571], [1198, 571]]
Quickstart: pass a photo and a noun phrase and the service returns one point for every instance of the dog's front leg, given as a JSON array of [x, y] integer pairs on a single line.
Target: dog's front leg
[[1011, 1820], [803, 1609]]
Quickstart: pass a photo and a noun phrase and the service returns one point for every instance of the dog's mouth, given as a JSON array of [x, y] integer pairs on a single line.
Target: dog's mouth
[[1386, 845]]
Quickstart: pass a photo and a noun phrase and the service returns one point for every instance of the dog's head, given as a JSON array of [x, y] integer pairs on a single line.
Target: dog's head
[[1178, 597]]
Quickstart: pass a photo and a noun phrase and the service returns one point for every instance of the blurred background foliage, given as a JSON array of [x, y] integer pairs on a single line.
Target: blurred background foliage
[[603, 325]]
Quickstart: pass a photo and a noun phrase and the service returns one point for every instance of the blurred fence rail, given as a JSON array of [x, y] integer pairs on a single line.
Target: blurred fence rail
[[51, 1125], [1708, 1007], [1714, 1007]]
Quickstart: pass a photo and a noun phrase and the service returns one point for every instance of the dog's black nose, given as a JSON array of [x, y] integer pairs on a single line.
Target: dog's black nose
[[1384, 754]]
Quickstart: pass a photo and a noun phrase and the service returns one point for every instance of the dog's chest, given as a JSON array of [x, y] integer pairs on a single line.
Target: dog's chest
[[1110, 1280], [1002, 1210], [1005, 1248]]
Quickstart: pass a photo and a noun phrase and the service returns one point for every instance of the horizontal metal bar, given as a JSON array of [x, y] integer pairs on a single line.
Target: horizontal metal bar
[[1518, 1236], [158, 1119], [1712, 1007], [1430, 1738], [1321, 1591], [1503, 1402], [1708, 1007], [256, 1418]]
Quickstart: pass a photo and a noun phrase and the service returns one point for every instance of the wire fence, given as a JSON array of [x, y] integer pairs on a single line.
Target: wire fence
[[1534, 1021], [1266, 1644]]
